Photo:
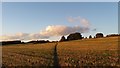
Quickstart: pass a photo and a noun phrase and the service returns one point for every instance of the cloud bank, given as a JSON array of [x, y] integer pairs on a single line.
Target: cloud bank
[[53, 30], [58, 30]]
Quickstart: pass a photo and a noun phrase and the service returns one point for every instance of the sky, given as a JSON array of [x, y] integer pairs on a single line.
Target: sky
[[51, 20], [59, 0], [0, 18]]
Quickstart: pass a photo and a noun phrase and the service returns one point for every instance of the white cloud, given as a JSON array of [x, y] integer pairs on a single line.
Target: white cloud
[[53, 30], [17, 36], [85, 22], [57, 30], [71, 19], [82, 21], [37, 36]]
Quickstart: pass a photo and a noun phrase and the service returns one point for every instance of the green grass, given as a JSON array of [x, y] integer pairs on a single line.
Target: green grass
[[87, 52]]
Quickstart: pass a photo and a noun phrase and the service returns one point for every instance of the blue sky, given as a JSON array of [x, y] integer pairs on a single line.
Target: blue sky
[[35, 17], [0, 18], [60, 0]]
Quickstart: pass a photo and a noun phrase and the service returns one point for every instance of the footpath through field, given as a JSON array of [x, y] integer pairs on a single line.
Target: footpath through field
[[56, 59]]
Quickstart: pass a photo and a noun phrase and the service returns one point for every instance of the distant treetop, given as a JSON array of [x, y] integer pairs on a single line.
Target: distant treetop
[[62, 39], [99, 35]]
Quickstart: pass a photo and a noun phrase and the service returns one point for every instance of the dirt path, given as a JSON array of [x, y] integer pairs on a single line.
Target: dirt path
[[56, 60]]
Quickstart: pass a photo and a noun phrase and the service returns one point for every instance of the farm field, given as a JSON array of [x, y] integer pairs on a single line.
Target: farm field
[[90, 52], [28, 55], [87, 52]]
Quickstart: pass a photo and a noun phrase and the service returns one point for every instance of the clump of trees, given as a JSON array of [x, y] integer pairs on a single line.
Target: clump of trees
[[72, 36], [99, 35], [112, 35], [77, 35]]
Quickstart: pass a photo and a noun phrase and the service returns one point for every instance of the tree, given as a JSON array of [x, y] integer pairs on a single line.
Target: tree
[[85, 37], [99, 35], [62, 39], [74, 36], [90, 36], [94, 37]]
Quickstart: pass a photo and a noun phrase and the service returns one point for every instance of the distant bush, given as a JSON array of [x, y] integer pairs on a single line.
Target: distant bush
[[99, 35], [85, 37], [90, 36], [74, 36]]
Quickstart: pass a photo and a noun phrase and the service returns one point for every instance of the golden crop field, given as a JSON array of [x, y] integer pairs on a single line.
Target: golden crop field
[[86, 52], [90, 52], [28, 55]]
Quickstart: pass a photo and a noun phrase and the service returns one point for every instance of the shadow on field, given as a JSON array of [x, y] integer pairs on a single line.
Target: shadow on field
[[56, 60]]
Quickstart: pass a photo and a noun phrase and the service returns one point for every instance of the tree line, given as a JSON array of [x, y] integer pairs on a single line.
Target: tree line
[[77, 35], [72, 36]]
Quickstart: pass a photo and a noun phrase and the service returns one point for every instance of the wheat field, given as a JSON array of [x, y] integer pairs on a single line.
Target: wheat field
[[86, 52], [90, 52]]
